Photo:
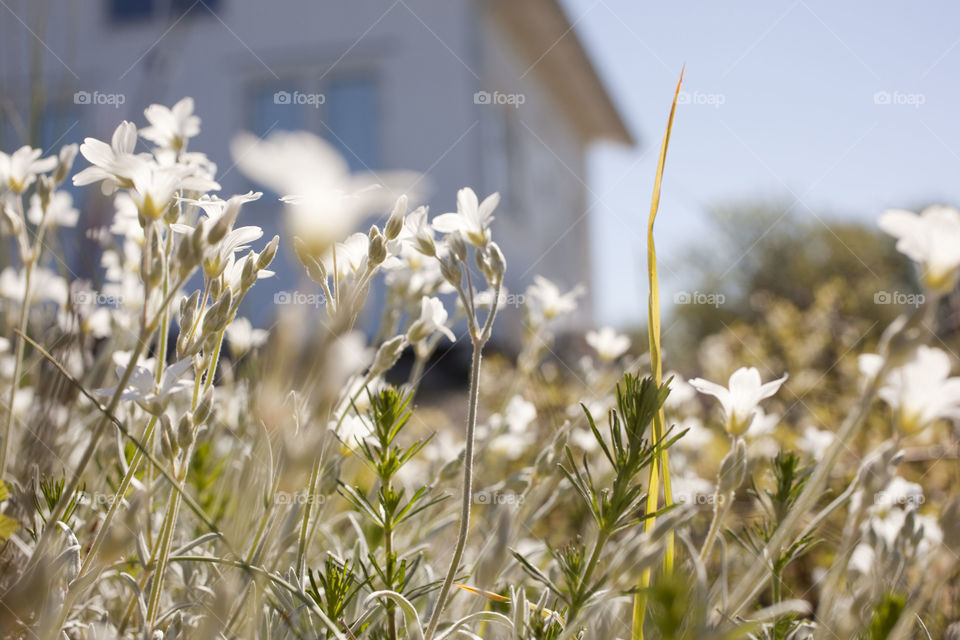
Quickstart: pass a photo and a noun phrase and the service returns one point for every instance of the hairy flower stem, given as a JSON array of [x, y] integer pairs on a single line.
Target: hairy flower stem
[[467, 489], [17, 366], [721, 506], [32, 258], [173, 508]]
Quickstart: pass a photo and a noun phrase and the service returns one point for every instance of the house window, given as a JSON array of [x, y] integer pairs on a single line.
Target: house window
[[137, 10], [130, 10], [344, 111], [58, 126], [273, 109], [351, 116]]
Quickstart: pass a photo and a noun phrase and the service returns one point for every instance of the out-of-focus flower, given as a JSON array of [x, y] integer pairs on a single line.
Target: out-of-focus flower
[[921, 390], [433, 317], [472, 217], [45, 286], [19, 169], [891, 529], [549, 301], [60, 210], [690, 489], [242, 336], [608, 344], [171, 127], [762, 425], [114, 164], [352, 430], [741, 398], [142, 386], [324, 200], [517, 415], [681, 393], [932, 239], [352, 255], [815, 442], [697, 436]]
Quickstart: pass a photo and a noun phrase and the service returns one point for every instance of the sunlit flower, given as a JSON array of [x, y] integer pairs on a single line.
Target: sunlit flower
[[921, 390], [324, 200], [19, 169], [932, 239], [171, 127], [608, 344], [114, 164], [741, 398], [433, 318], [472, 218]]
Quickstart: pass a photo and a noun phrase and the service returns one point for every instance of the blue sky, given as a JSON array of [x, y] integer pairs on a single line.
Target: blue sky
[[784, 106]]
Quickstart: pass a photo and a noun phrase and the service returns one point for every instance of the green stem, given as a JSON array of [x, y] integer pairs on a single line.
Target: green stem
[[592, 563]]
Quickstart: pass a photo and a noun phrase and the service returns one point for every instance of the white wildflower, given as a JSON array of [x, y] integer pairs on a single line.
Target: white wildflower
[[740, 399]]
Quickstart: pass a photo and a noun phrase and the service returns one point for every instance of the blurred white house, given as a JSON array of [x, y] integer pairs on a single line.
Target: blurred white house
[[496, 94]]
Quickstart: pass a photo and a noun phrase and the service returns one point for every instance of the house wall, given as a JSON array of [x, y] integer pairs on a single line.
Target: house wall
[[428, 58]]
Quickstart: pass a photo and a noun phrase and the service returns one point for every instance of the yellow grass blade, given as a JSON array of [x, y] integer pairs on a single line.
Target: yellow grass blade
[[496, 597], [660, 465]]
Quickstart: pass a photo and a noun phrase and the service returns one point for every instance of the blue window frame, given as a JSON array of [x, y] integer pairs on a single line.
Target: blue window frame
[[351, 113]]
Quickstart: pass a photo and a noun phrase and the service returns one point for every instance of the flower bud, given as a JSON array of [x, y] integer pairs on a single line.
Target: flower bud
[[12, 218], [269, 253], [185, 433], [45, 187], [204, 409], [395, 223], [225, 222], [388, 354], [168, 446], [377, 251], [314, 267], [498, 264], [68, 153], [732, 468], [248, 274], [458, 246], [425, 245], [450, 269]]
